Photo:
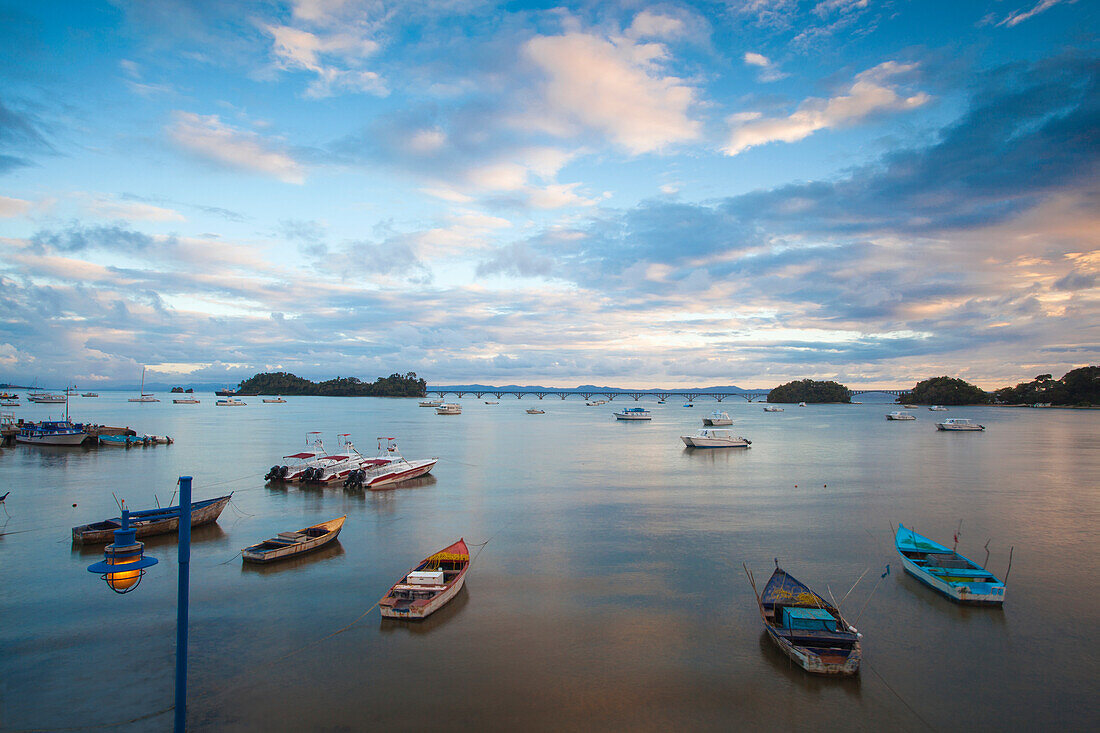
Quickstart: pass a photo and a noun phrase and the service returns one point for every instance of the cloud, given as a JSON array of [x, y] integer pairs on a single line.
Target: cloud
[[1019, 16], [612, 86], [230, 147], [78, 237], [296, 49], [655, 25], [10, 207], [132, 211], [768, 70], [21, 136], [869, 94]]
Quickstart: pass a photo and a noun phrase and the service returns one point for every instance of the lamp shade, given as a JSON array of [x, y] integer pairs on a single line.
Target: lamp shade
[[124, 562]]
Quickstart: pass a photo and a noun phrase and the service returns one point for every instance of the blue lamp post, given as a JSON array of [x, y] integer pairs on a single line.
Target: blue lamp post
[[123, 565]]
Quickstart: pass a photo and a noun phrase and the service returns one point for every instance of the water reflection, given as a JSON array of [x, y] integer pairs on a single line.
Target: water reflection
[[433, 622], [329, 551]]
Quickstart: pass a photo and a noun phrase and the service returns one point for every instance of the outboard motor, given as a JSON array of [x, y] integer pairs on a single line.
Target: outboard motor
[[273, 473], [283, 471]]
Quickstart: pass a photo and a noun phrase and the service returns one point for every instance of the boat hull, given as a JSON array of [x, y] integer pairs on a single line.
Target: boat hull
[[994, 597], [620, 416], [67, 440], [960, 428], [716, 422], [415, 469], [205, 513], [696, 442], [812, 663]]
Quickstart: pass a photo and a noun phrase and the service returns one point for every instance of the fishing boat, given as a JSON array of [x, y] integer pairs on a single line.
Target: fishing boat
[[231, 402], [52, 432], [806, 627], [772, 408], [186, 401], [277, 400], [945, 570], [142, 396], [633, 413], [711, 438], [899, 415], [429, 586], [958, 424], [431, 403], [149, 522], [535, 411], [448, 408], [716, 418], [289, 544], [388, 469], [123, 441]]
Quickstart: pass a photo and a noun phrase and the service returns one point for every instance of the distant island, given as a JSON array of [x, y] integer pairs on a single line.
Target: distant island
[[285, 383], [810, 391], [1077, 388]]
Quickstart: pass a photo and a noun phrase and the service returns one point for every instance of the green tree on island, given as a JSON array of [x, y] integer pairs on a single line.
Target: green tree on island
[[285, 383], [808, 391], [1079, 387], [945, 391]]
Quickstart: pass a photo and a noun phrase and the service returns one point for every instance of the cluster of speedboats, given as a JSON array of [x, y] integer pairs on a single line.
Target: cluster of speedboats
[[316, 465]]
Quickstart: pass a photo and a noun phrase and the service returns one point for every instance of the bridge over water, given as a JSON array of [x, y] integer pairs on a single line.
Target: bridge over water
[[689, 395]]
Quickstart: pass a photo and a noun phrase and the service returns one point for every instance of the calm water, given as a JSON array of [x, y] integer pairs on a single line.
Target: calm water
[[610, 595]]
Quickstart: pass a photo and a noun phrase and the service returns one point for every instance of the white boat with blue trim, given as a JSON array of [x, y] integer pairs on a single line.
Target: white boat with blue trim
[[633, 413]]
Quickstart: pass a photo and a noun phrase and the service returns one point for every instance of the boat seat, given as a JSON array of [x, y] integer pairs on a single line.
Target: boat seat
[[961, 572], [293, 536], [282, 541]]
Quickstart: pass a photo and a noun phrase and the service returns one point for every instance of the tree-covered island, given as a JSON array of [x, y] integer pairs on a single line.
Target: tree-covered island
[[808, 390], [945, 391], [285, 383]]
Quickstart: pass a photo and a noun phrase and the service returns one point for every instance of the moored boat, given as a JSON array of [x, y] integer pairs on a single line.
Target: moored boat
[[633, 413], [938, 408], [716, 418], [289, 544], [431, 403], [142, 396], [448, 408], [946, 571], [806, 627], [958, 424], [295, 465], [122, 441], [899, 415], [339, 466], [149, 522], [772, 408], [389, 468], [186, 401], [44, 398], [535, 411], [429, 586], [52, 432], [231, 402], [715, 438], [277, 400], [89, 394]]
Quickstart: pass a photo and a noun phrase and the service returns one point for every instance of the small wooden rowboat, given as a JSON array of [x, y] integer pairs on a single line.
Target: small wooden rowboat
[[289, 544], [426, 589], [149, 522], [806, 627], [945, 570]]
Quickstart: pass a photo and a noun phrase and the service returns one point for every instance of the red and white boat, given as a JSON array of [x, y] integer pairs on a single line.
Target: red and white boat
[[295, 465], [429, 586], [337, 467], [389, 468]]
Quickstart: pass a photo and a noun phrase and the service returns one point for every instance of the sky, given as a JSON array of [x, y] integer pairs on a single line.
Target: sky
[[620, 193]]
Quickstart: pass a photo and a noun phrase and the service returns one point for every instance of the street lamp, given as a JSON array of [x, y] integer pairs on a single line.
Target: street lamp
[[123, 565]]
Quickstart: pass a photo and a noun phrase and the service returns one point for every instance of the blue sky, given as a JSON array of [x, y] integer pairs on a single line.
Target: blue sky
[[624, 193]]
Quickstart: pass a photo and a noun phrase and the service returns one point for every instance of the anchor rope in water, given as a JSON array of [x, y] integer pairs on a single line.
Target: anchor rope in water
[[896, 694], [98, 726]]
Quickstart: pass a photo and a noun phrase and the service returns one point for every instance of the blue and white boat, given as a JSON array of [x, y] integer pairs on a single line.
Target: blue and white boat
[[52, 432], [633, 413], [945, 570]]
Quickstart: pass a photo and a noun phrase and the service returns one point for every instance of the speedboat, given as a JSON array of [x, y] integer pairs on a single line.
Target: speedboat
[[89, 394], [633, 413], [431, 403], [52, 432], [938, 408], [45, 398], [230, 402], [771, 408], [277, 399], [948, 572], [717, 418], [186, 401], [535, 411], [295, 465], [959, 424], [899, 415], [449, 408], [339, 466], [711, 438], [389, 468]]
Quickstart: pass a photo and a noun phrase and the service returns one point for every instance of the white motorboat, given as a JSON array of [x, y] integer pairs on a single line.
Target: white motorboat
[[801, 404], [898, 415], [959, 424], [431, 403], [9, 403], [938, 408], [227, 402], [389, 468], [717, 418], [910, 407], [535, 411], [338, 466], [45, 398], [771, 408], [633, 413], [712, 438], [89, 394], [52, 432], [143, 397], [296, 464], [278, 400], [185, 401], [448, 408], [491, 402], [595, 403]]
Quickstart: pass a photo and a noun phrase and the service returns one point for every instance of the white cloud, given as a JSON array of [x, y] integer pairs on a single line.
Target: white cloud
[[133, 211], [1019, 16], [212, 139], [653, 25], [768, 70], [613, 86], [870, 93], [300, 50], [10, 207], [755, 59]]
